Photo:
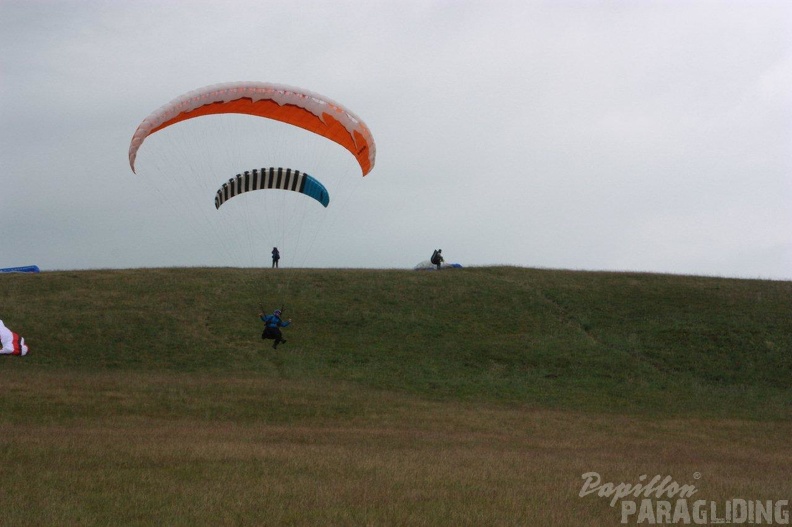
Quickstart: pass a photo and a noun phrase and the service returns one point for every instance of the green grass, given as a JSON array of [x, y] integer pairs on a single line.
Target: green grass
[[656, 344], [470, 397]]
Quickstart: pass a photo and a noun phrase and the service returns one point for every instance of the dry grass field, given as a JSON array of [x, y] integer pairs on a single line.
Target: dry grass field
[[98, 428], [149, 449]]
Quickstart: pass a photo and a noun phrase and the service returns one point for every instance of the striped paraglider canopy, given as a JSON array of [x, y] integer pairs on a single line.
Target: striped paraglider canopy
[[272, 178]]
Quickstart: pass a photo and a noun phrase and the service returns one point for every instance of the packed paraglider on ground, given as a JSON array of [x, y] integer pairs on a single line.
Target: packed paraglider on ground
[[12, 343], [436, 263]]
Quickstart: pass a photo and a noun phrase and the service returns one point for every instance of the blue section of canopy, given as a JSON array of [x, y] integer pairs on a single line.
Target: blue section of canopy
[[316, 190], [23, 269]]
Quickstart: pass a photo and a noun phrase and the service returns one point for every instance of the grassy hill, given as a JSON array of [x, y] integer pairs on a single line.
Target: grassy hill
[[469, 397], [606, 342]]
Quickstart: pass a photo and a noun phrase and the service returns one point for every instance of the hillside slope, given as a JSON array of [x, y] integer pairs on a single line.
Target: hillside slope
[[615, 342]]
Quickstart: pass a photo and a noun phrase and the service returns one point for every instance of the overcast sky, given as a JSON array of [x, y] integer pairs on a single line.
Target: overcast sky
[[601, 135]]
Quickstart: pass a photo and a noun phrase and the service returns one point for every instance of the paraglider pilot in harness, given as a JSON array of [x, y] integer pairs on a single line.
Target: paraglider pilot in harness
[[437, 258], [272, 325]]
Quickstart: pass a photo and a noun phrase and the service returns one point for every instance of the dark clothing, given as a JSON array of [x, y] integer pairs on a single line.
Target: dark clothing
[[272, 331], [437, 258], [275, 257]]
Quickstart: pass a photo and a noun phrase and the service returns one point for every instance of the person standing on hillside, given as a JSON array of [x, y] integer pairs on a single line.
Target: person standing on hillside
[[12, 344], [275, 257], [272, 325], [437, 258]]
